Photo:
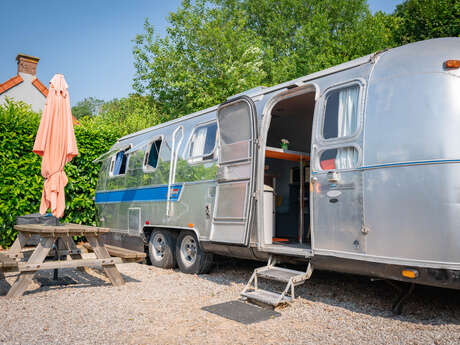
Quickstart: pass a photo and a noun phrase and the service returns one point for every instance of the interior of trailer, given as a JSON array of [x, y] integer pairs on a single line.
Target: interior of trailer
[[286, 184]]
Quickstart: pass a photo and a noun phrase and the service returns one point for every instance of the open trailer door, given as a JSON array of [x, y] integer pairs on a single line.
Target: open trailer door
[[234, 202]]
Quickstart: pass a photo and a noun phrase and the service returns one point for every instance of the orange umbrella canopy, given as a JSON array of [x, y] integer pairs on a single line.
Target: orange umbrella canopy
[[55, 142]]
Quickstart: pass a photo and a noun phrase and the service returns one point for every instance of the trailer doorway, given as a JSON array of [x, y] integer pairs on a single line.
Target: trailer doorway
[[287, 172]]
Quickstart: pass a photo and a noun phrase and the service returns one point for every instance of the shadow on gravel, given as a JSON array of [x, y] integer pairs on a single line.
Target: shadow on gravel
[[241, 312], [427, 305], [68, 278]]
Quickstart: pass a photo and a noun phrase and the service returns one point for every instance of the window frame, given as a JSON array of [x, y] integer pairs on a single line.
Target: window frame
[[112, 162], [335, 147], [192, 160], [148, 168], [356, 82]]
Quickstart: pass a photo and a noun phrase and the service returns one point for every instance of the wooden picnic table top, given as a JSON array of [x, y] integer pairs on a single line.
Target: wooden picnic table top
[[68, 229]]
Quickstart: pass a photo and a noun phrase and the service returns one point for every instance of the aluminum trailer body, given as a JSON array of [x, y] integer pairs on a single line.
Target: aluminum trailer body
[[380, 138]]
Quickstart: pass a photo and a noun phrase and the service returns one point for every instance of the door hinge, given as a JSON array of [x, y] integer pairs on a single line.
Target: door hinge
[[254, 195]]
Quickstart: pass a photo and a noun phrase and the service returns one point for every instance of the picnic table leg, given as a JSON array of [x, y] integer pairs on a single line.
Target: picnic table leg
[[3, 280], [70, 244], [17, 246], [37, 257], [59, 245], [102, 253]]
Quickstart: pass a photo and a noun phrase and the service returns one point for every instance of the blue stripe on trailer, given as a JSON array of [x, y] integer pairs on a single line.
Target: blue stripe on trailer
[[158, 193]]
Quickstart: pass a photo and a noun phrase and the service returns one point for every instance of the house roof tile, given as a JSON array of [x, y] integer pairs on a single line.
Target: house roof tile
[[17, 79], [39, 85]]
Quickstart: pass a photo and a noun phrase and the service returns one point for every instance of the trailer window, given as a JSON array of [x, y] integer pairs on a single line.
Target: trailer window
[[203, 143], [339, 158], [119, 163], [152, 154], [341, 113]]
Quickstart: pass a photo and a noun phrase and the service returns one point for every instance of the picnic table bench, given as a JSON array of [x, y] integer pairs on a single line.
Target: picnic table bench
[[58, 241], [127, 255]]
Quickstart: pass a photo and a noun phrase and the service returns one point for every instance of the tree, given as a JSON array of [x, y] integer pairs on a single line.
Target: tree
[[217, 48], [129, 114], [425, 19], [207, 55], [89, 106], [301, 37]]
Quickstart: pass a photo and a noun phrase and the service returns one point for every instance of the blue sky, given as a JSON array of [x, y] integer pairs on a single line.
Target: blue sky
[[89, 41]]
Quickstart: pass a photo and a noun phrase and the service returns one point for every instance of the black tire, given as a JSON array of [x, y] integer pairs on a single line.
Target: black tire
[[190, 257], [162, 246]]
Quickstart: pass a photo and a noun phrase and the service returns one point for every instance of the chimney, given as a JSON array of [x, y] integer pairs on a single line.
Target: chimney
[[27, 64]]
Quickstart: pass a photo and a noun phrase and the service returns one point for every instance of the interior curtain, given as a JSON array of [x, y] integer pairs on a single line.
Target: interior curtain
[[347, 124], [198, 142]]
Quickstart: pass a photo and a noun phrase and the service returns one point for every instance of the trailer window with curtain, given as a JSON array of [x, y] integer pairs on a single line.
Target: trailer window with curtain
[[340, 121], [339, 158], [341, 113], [203, 143]]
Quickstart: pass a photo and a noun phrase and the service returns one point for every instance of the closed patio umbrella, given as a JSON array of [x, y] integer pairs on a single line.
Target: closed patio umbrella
[[55, 143]]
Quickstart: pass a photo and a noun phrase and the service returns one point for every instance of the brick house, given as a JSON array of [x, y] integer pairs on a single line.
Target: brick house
[[25, 86]]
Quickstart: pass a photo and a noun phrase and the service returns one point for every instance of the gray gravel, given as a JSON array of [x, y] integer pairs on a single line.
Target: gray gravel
[[164, 307]]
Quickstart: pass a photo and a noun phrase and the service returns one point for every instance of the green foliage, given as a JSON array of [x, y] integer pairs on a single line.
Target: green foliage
[[90, 106], [425, 19], [207, 56], [20, 179], [302, 37], [21, 182], [217, 48], [129, 114]]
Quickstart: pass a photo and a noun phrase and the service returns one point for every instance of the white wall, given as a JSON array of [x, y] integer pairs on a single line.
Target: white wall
[[26, 92]]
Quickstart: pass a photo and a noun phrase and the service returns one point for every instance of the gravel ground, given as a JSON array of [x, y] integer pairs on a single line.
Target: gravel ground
[[164, 307]]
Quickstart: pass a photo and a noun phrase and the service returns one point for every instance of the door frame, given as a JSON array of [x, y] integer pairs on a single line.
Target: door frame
[[307, 87], [248, 205]]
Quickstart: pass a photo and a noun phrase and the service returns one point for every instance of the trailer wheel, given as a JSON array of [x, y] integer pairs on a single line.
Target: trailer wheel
[[190, 257], [161, 249]]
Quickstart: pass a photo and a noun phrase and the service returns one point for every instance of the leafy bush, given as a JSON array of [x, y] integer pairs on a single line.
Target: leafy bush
[[21, 182], [20, 179]]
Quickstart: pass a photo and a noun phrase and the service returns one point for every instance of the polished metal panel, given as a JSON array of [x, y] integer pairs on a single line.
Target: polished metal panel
[[339, 219], [234, 172], [134, 220], [411, 156], [413, 212], [231, 201], [234, 152]]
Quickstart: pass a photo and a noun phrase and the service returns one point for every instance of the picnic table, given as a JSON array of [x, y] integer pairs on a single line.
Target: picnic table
[[58, 240]]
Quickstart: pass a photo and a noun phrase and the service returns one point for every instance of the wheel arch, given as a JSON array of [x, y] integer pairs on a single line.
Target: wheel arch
[[175, 230]]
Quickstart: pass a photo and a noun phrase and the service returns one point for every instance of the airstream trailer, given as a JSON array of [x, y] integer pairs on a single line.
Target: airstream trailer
[[369, 182]]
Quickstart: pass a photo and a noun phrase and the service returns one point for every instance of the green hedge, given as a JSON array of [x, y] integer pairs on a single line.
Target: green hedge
[[21, 182]]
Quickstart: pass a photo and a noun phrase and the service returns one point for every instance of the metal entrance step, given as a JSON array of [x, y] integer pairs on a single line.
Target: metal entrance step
[[281, 274], [266, 297], [292, 278]]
